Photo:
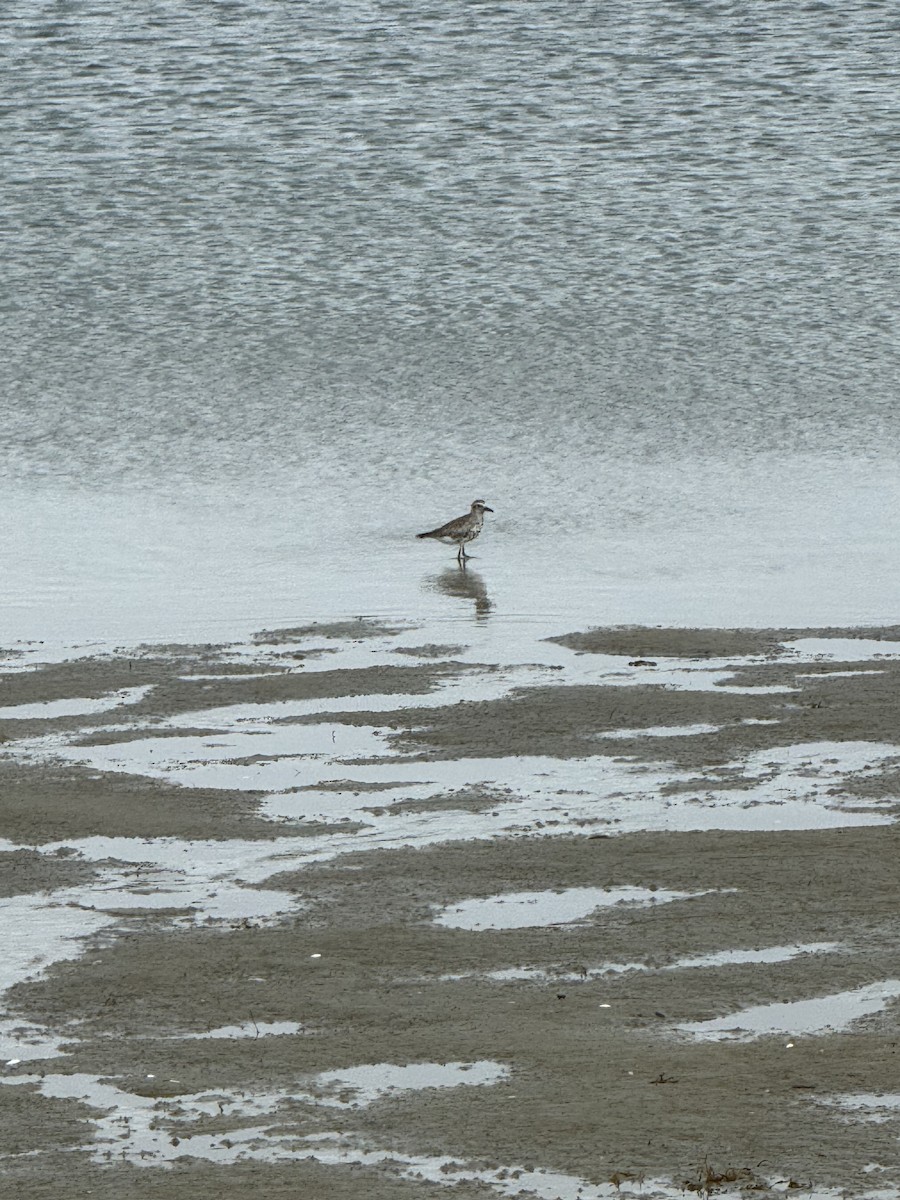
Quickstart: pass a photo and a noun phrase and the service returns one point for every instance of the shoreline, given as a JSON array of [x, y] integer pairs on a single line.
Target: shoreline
[[314, 829]]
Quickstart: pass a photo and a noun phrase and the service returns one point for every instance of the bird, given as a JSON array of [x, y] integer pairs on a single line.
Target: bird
[[461, 530]]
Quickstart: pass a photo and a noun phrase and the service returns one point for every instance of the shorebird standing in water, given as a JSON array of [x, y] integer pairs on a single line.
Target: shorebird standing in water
[[461, 530]]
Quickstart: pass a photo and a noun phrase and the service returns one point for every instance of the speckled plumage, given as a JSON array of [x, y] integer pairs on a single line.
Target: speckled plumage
[[461, 530]]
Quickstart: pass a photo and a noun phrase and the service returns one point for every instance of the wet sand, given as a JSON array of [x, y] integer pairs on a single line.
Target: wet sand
[[724, 814]]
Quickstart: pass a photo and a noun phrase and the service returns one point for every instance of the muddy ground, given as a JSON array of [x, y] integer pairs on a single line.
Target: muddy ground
[[602, 1085]]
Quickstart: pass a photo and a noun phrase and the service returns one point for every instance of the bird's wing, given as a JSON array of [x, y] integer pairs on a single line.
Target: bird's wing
[[451, 529]]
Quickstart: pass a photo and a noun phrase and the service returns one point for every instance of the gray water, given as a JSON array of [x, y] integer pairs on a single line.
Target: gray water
[[283, 283]]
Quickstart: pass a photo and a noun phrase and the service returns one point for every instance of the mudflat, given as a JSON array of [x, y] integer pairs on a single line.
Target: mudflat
[[345, 913]]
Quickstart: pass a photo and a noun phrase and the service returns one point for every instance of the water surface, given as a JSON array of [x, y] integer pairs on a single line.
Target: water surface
[[284, 284]]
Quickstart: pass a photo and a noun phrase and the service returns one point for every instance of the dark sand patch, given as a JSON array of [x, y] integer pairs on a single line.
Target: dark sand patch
[[185, 695], [50, 802], [430, 651], [174, 693], [564, 722], [640, 642], [91, 678], [31, 1123], [355, 786], [182, 682], [636, 641], [461, 800], [80, 678], [136, 733], [351, 631], [26, 871], [876, 785]]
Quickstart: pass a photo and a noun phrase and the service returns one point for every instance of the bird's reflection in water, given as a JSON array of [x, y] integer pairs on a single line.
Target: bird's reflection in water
[[463, 584]]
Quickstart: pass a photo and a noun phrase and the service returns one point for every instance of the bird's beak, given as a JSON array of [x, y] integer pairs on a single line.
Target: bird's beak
[[486, 509]]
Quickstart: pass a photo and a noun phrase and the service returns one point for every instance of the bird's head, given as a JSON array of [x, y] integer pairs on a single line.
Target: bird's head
[[479, 506]]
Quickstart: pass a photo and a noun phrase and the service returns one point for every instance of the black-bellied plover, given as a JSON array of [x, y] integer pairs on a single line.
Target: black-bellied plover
[[461, 530]]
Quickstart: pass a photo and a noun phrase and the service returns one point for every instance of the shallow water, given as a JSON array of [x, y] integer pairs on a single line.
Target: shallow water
[[287, 285], [822, 1014], [525, 910], [359, 1086], [721, 958], [789, 551], [75, 707], [250, 1030]]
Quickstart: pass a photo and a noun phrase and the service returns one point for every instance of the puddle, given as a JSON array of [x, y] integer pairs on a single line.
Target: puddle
[[129, 1127], [21, 1042], [824, 1014], [366, 1084], [771, 954], [864, 1106], [511, 647], [546, 974], [513, 1181], [523, 910], [36, 932], [661, 731], [249, 1029], [841, 649], [75, 707], [170, 873], [268, 757], [199, 899], [836, 674], [722, 958]]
